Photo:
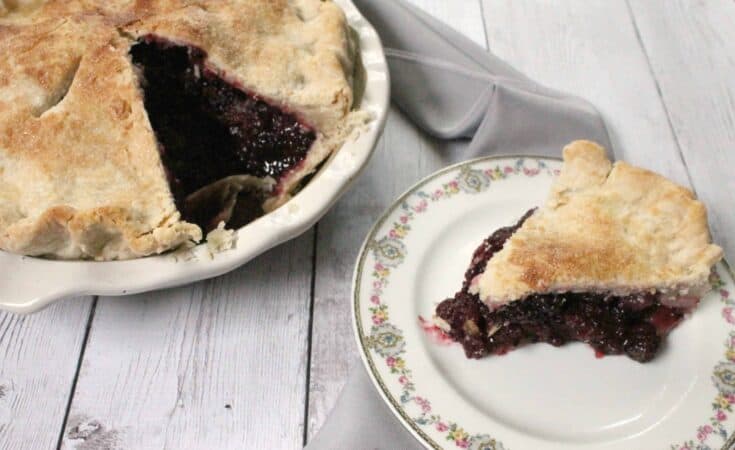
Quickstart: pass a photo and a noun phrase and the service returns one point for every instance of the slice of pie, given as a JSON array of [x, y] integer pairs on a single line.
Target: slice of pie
[[616, 258], [129, 127]]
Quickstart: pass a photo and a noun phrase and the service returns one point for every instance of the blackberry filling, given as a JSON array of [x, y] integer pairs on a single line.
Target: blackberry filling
[[633, 325], [208, 129]]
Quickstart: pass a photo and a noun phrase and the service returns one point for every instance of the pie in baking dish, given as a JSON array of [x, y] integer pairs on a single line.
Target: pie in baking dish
[[615, 258], [128, 127]]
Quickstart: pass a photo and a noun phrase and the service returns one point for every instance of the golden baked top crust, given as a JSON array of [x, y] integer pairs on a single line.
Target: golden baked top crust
[[80, 172], [605, 228]]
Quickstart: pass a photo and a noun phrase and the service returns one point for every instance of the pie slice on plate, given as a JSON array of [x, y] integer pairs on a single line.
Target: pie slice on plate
[[616, 258], [130, 127]]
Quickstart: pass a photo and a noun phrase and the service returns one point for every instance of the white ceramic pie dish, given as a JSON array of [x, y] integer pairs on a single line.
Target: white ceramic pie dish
[[30, 284]]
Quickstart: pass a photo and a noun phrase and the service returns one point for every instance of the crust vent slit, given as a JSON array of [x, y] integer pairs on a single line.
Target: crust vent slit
[[124, 34], [60, 93]]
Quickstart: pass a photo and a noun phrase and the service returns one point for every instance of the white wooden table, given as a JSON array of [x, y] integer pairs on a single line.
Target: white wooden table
[[257, 358]]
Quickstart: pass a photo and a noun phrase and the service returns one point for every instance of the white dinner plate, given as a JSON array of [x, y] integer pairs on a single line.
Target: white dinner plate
[[539, 396], [29, 284]]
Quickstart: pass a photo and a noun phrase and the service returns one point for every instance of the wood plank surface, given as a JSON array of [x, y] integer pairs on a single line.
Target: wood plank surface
[[691, 49], [217, 365], [402, 158], [38, 363], [589, 48]]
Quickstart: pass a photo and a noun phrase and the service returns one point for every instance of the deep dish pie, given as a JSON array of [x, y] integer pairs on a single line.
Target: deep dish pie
[[128, 127], [616, 258]]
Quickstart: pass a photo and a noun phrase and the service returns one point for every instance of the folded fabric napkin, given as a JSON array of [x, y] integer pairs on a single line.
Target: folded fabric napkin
[[452, 88]]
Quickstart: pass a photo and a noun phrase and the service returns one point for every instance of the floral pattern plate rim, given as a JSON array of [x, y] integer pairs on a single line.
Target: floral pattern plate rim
[[414, 257]]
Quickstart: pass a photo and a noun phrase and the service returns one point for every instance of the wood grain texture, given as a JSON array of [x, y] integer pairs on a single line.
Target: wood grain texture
[[39, 356], [691, 49], [219, 364], [589, 48], [403, 157]]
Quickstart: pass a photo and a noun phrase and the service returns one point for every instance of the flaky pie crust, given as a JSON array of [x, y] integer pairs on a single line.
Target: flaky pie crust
[[605, 228]]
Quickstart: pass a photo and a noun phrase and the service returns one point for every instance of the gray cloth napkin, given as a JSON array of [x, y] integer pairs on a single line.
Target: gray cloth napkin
[[451, 88]]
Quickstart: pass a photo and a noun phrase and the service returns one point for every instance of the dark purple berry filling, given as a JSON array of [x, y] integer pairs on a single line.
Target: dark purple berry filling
[[633, 325], [209, 129]]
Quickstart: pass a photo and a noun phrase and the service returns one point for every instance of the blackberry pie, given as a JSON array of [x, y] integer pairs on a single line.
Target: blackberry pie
[[615, 258], [129, 127]]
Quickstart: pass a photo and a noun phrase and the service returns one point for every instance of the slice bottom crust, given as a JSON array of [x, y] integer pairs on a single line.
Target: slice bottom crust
[[634, 324]]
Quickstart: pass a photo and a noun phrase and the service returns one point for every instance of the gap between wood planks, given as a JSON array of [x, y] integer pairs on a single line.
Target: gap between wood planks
[[305, 436], [639, 39], [73, 389]]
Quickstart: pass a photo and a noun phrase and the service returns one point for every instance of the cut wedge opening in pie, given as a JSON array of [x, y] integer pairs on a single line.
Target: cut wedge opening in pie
[[193, 110], [127, 129], [616, 258]]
